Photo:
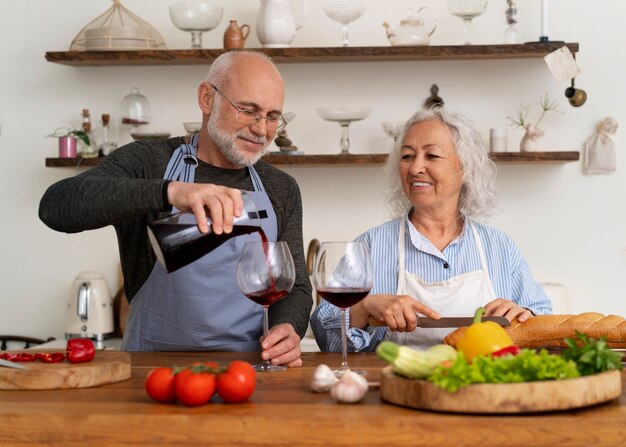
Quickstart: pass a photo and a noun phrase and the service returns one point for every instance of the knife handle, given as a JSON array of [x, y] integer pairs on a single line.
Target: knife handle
[[371, 321]]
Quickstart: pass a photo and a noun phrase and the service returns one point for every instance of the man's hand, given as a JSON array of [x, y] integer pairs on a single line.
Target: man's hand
[[282, 346], [398, 312], [204, 200], [507, 308]]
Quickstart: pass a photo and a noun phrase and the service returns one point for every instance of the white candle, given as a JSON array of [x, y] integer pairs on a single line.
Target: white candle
[[544, 18]]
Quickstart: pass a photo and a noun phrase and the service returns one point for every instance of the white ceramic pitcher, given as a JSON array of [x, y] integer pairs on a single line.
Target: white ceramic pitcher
[[276, 25]]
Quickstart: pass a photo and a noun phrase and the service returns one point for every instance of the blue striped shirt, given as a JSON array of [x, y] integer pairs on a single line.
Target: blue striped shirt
[[508, 271]]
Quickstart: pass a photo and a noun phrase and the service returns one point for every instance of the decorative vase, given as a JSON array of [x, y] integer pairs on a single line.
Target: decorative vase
[[529, 140], [67, 147], [235, 36], [276, 25]]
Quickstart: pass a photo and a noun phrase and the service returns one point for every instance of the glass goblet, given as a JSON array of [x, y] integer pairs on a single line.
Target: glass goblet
[[344, 116], [467, 10], [342, 275], [393, 129], [196, 18], [344, 13], [266, 274]]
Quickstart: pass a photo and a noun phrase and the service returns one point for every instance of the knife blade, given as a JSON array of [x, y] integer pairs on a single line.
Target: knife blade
[[10, 364], [445, 322]]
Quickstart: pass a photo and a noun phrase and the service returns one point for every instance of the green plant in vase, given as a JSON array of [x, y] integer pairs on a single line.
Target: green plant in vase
[[67, 141], [532, 130]]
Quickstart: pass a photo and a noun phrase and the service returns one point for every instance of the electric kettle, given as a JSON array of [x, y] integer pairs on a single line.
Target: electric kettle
[[89, 312]]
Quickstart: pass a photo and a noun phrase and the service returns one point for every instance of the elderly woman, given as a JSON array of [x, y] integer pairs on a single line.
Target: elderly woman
[[435, 259]]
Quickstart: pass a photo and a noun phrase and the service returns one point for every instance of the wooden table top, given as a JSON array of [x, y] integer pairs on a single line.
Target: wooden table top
[[282, 411]]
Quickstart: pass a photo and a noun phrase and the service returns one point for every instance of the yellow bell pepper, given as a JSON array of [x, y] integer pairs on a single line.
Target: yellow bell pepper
[[483, 338]]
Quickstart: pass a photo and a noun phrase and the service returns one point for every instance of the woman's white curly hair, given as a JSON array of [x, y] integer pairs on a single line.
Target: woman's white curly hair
[[478, 199]]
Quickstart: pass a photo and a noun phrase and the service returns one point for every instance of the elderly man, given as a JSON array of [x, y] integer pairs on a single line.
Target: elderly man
[[199, 307]]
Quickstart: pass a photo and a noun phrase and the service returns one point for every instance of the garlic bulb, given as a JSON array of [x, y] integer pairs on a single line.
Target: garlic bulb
[[323, 379], [350, 389]]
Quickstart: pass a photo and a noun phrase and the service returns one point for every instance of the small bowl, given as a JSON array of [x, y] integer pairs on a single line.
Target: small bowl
[[150, 135], [196, 16], [392, 128], [192, 128], [344, 114]]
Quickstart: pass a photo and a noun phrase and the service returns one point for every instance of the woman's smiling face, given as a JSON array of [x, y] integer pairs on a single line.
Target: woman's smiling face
[[430, 169]]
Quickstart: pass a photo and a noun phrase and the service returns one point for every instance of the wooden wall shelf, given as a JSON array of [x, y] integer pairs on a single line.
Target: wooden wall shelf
[[310, 54], [350, 159]]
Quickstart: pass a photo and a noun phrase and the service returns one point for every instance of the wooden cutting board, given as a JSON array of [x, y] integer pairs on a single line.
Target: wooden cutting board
[[527, 397], [106, 367]]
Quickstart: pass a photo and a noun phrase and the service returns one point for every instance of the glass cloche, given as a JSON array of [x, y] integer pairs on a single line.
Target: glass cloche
[[135, 109]]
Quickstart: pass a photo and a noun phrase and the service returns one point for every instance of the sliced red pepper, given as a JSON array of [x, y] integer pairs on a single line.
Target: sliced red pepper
[[80, 350], [513, 350], [19, 357], [50, 357]]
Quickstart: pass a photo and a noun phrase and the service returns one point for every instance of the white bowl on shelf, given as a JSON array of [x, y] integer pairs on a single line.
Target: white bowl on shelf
[[148, 135], [192, 128], [393, 128], [344, 114]]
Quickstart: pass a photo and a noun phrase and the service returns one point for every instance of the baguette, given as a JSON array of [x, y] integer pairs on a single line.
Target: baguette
[[548, 331]]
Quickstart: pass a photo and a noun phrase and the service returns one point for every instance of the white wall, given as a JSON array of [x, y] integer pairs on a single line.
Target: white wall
[[571, 227]]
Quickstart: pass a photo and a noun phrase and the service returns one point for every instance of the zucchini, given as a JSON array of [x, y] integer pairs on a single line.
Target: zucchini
[[414, 364]]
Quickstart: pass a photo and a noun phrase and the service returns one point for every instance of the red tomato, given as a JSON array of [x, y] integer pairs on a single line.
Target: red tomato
[[237, 383], [194, 388], [160, 384]]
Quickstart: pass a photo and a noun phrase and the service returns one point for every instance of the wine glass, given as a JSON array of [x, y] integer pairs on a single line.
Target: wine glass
[[196, 18], [467, 10], [344, 13], [342, 275], [344, 116], [393, 129], [265, 274]]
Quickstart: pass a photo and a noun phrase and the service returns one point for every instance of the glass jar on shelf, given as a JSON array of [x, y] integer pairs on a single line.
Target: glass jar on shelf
[[135, 109], [108, 142], [87, 146]]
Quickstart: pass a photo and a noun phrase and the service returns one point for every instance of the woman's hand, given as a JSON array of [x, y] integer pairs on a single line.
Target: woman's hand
[[398, 312], [507, 308]]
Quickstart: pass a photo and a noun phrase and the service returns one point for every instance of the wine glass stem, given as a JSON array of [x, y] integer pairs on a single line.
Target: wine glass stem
[[344, 29], [344, 144], [467, 31], [196, 39], [266, 329], [344, 342]]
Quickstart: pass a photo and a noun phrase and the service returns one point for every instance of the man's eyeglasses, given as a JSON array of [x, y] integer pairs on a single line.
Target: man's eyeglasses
[[273, 121]]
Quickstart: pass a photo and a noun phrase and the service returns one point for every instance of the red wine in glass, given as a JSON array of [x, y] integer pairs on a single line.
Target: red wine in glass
[[342, 275], [266, 274], [343, 298], [267, 297]]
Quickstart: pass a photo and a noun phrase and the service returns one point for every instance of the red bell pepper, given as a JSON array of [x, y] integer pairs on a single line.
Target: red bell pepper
[[19, 357], [513, 350], [80, 350], [50, 357]]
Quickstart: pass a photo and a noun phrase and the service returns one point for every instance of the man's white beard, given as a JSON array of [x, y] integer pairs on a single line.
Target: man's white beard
[[227, 142]]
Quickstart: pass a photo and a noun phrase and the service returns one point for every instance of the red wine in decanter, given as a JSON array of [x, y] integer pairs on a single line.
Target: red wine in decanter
[[177, 245]]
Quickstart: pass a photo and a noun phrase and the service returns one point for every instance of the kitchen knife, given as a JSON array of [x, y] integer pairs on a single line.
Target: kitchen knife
[[11, 364], [424, 322]]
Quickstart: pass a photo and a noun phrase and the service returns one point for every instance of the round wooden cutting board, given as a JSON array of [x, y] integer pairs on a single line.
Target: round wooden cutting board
[[106, 367], [527, 397]]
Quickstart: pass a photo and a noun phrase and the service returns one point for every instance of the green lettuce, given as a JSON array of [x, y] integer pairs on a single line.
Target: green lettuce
[[527, 366]]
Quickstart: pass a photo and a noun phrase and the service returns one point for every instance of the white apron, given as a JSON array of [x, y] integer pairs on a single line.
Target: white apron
[[459, 296]]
